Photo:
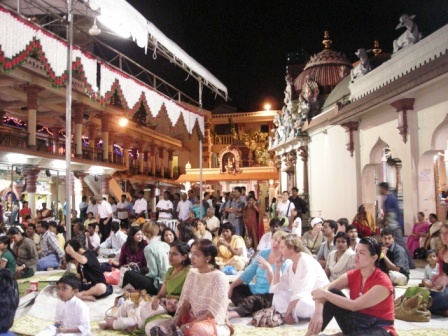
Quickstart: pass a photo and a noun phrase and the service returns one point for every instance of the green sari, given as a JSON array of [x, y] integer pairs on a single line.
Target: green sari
[[175, 282]]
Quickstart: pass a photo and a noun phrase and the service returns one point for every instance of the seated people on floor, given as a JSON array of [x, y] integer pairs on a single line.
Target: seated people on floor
[[79, 233], [212, 222], [329, 229], [203, 303], [369, 310], [129, 316], [340, 260], [394, 259], [296, 227], [418, 234], [7, 257], [292, 289], [352, 233], [156, 255], [44, 212], [265, 240], [314, 238], [72, 315], [89, 220], [54, 228], [431, 269], [89, 270], [231, 248], [92, 238], [25, 252], [248, 296], [131, 252], [111, 247], [9, 301], [342, 224], [364, 222], [185, 233], [440, 293], [201, 230], [432, 240], [33, 235], [52, 255], [168, 236]]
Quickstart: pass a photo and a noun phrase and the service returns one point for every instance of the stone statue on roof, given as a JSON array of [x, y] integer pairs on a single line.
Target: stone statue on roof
[[363, 66], [410, 36]]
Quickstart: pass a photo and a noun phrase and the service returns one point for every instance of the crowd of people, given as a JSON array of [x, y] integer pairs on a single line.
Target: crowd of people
[[300, 272]]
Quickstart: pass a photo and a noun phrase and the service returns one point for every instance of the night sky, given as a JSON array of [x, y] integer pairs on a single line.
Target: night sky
[[244, 42]]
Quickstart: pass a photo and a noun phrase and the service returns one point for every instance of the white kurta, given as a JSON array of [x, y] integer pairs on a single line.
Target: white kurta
[[72, 314], [308, 276]]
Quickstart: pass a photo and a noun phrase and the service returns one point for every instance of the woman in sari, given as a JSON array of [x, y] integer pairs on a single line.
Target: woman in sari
[[340, 260], [231, 248], [419, 230], [364, 222], [252, 216], [129, 317]]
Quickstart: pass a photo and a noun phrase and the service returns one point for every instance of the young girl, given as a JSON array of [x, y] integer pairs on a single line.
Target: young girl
[[297, 224], [8, 259], [72, 315], [431, 269]]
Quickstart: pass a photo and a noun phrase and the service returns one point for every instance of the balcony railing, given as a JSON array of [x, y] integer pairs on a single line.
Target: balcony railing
[[11, 137], [226, 139]]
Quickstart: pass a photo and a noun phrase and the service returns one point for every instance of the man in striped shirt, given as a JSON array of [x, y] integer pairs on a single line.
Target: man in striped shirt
[[52, 254]]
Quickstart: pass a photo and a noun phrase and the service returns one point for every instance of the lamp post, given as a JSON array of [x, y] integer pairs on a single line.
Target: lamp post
[[68, 116]]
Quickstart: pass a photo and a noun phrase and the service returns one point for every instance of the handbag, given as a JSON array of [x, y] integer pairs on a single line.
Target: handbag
[[204, 328], [413, 305], [113, 277], [267, 318], [129, 267]]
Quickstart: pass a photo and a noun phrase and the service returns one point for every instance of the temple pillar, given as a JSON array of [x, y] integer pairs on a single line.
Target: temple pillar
[[32, 92], [92, 129], [126, 147], [105, 179], [162, 165], [79, 110], [31, 174], [56, 146], [146, 161], [141, 145], [105, 135], [170, 162], [152, 150], [303, 153]]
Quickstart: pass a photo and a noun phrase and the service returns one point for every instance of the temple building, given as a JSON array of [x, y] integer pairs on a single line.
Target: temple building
[[345, 128]]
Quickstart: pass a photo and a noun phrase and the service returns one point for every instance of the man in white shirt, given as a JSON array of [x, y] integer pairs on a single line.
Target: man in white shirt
[[141, 205], [111, 248], [183, 207], [104, 217], [122, 210], [212, 221], [164, 207], [265, 241], [92, 238]]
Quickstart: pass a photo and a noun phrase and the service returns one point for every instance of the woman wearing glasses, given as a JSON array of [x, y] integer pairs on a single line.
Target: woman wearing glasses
[[370, 308]]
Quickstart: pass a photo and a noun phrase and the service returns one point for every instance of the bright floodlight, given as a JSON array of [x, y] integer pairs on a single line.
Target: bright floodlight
[[267, 107], [123, 122]]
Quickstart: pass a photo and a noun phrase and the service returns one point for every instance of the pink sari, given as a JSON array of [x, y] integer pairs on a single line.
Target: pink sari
[[420, 230]]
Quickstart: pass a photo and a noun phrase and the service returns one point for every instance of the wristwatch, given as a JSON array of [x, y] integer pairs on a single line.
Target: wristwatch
[[187, 326]]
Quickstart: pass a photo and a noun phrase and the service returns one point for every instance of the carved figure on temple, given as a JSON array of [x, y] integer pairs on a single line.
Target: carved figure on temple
[[229, 163], [279, 132], [363, 66], [410, 36], [308, 102]]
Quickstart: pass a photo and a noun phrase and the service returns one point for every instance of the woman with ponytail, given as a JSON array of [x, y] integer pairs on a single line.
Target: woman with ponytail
[[203, 302]]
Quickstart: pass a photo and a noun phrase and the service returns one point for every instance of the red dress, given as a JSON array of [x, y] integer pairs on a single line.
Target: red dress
[[384, 310]]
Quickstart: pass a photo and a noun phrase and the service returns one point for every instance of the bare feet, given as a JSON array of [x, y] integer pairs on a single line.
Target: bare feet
[[232, 315]]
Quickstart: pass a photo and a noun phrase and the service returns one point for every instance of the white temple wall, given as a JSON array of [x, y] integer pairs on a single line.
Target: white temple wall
[[332, 175]]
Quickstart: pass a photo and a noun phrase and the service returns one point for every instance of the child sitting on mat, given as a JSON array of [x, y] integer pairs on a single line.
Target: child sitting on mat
[[431, 269], [72, 314]]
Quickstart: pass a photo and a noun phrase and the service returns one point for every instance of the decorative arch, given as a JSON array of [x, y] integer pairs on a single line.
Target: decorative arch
[[229, 160], [440, 136], [377, 152]]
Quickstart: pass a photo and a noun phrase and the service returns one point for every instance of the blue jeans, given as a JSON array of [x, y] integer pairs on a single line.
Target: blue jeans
[[50, 261]]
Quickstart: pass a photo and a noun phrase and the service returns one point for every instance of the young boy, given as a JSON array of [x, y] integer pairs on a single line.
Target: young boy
[[72, 315], [431, 269]]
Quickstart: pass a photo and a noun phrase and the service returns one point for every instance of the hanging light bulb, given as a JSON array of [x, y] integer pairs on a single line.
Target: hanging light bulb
[[94, 31]]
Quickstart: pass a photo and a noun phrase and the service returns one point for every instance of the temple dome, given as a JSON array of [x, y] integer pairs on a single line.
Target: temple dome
[[326, 68]]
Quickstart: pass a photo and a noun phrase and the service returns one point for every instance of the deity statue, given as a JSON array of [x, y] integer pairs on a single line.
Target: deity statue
[[363, 66], [410, 36]]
